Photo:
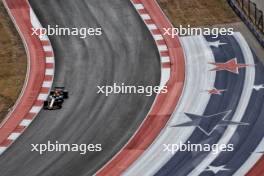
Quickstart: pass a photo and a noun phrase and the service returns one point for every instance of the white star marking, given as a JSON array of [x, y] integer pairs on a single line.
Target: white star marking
[[216, 169], [216, 44], [258, 87]]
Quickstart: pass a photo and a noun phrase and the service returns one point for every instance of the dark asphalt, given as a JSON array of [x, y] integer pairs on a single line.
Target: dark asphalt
[[124, 53], [184, 162]]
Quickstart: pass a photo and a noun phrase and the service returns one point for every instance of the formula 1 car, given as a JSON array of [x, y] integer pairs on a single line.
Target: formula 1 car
[[56, 99]]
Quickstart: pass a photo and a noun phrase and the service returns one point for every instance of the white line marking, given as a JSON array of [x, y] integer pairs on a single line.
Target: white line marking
[[165, 76], [138, 6], [162, 48], [145, 16], [47, 84], [43, 37], [25, 122], [35, 109], [158, 37], [2, 150], [152, 26], [50, 60], [34, 20], [49, 72], [165, 59], [13, 136], [47, 48], [43, 96]]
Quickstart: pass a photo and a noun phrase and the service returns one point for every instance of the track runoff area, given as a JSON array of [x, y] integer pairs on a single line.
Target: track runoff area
[[206, 113]]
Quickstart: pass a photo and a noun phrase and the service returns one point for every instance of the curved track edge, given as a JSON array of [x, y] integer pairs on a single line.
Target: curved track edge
[[39, 78]]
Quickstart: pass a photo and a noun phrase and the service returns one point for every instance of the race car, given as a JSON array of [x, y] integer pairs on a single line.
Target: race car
[[56, 99]]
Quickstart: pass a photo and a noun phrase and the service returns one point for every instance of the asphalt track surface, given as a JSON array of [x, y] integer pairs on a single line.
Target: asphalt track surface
[[124, 53], [183, 162]]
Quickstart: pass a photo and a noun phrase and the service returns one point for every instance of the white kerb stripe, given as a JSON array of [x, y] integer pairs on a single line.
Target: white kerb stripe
[[152, 26], [165, 59], [165, 76], [162, 48], [35, 109], [47, 48], [43, 97], [2, 150], [49, 72], [43, 37], [13, 136], [25, 122], [50, 60], [47, 84], [34, 20], [138, 6], [158, 37], [145, 16]]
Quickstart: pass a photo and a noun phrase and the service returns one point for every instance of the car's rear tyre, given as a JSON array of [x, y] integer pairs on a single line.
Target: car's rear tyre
[[65, 95]]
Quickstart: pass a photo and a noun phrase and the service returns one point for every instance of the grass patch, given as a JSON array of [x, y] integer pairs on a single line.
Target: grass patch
[[198, 12], [13, 63]]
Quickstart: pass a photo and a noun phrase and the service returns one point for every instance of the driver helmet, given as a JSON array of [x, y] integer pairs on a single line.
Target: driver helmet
[[56, 93]]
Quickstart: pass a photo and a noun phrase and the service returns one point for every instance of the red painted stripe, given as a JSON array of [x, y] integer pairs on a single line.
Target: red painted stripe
[[258, 169], [149, 21], [155, 32], [44, 90], [45, 43], [38, 103], [161, 42], [49, 65], [6, 143], [19, 129], [48, 78], [142, 11], [136, 1], [49, 54], [164, 53], [30, 116], [166, 65]]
